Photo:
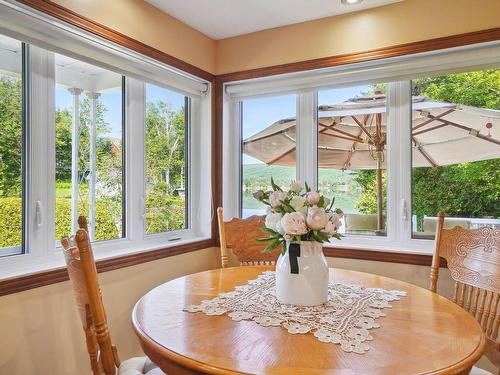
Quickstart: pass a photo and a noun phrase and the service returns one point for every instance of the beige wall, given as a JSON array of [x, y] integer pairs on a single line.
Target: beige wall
[[145, 23], [40, 329], [408, 21]]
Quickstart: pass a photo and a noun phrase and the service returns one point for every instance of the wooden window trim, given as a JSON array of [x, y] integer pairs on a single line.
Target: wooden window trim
[[22, 283], [381, 256], [43, 278]]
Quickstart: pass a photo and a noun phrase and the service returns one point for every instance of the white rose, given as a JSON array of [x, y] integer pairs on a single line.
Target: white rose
[[276, 198], [296, 186], [313, 197], [279, 228], [316, 218], [294, 224], [272, 220], [297, 202]]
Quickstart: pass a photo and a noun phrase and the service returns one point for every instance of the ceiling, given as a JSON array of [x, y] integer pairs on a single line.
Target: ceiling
[[220, 19]]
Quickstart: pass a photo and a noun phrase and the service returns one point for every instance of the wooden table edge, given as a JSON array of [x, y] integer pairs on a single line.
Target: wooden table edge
[[466, 364], [157, 351]]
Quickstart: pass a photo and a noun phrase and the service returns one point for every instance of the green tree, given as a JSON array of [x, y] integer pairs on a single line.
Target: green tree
[[463, 189], [165, 161], [11, 136]]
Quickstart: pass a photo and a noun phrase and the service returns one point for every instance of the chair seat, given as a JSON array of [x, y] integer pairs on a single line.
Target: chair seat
[[139, 366], [479, 371]]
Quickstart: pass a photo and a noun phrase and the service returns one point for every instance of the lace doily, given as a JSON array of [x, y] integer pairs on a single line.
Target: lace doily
[[345, 319]]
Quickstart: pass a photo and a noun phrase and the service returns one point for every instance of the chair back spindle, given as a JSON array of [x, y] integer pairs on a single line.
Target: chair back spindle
[[240, 236], [473, 258]]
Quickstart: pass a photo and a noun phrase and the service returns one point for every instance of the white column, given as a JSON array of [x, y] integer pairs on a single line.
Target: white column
[[93, 139], [74, 158]]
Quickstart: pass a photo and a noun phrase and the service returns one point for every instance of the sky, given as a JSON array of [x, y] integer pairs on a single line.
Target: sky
[[259, 113], [112, 101]]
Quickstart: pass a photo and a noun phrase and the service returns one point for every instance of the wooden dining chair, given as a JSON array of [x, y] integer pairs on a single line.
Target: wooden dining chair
[[83, 276], [240, 235], [473, 258]]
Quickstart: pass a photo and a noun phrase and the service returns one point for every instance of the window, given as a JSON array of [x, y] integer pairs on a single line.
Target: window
[[456, 151], [268, 148], [89, 149], [12, 141], [352, 128], [393, 141], [107, 133], [167, 129]]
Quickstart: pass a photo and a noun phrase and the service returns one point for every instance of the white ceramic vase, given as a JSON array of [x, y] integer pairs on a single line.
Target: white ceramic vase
[[302, 281]]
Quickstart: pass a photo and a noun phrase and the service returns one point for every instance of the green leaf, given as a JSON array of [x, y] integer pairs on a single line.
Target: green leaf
[[286, 204], [269, 230], [274, 186], [266, 239], [272, 245], [308, 189], [331, 204], [321, 202]]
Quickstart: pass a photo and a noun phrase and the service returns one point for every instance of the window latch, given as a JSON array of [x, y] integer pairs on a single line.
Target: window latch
[[404, 210], [38, 213]]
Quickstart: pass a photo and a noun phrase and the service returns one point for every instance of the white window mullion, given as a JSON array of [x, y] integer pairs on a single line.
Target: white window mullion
[[41, 170], [232, 158], [135, 159], [399, 161], [307, 138], [405, 157], [200, 172]]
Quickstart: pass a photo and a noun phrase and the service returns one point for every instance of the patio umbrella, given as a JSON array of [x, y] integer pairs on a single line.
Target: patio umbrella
[[352, 135]]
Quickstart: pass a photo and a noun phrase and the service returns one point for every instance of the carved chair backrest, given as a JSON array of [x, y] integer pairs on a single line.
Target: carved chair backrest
[[240, 236], [473, 258], [83, 276]]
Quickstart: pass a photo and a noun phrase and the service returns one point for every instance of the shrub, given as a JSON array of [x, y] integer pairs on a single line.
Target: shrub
[[11, 222]]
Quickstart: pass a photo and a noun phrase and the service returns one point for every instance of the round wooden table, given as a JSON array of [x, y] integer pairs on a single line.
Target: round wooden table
[[423, 333]]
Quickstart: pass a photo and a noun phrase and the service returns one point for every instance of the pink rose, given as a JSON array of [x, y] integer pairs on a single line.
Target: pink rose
[[276, 198], [335, 221], [316, 218], [294, 224], [313, 197], [330, 228]]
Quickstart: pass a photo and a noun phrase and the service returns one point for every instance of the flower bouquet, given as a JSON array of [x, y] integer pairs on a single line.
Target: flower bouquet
[[300, 220], [298, 214]]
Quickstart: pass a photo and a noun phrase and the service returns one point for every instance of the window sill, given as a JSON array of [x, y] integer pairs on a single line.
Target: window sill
[[55, 271], [379, 254]]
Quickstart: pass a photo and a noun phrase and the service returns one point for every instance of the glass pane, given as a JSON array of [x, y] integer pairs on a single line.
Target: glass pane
[[89, 114], [352, 128], [268, 145], [11, 146], [166, 160], [456, 151]]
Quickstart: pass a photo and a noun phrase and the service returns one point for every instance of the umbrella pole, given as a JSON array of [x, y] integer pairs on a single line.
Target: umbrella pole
[[380, 217]]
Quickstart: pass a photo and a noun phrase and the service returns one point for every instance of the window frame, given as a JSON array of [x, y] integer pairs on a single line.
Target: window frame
[[42, 253], [399, 167]]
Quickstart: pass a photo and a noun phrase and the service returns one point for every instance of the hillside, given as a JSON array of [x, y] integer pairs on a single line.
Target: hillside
[[332, 182]]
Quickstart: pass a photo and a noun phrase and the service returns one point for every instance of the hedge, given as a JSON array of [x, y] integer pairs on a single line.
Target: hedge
[[164, 212], [11, 224]]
